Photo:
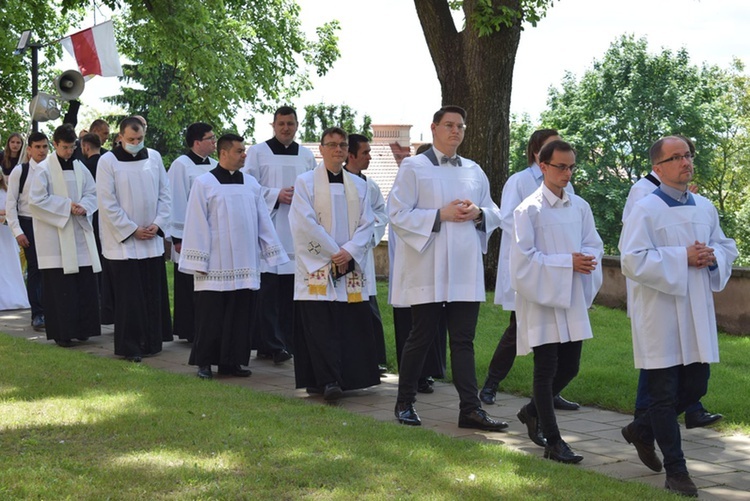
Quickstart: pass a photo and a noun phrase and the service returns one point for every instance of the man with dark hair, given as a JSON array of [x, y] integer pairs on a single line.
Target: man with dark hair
[[134, 205], [228, 231], [91, 147], [62, 201], [331, 222], [358, 160], [101, 129], [555, 271], [19, 217], [677, 255], [275, 164], [441, 210], [201, 142]]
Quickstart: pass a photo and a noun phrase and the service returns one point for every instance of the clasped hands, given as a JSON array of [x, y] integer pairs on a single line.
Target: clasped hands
[[147, 232], [341, 260], [700, 255], [583, 263], [77, 209], [459, 211]]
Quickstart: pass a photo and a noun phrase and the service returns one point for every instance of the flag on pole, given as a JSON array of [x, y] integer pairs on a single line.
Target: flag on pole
[[95, 50]]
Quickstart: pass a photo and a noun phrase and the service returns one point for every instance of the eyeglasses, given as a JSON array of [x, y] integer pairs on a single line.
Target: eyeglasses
[[333, 145], [209, 138], [450, 126], [676, 158], [571, 168]]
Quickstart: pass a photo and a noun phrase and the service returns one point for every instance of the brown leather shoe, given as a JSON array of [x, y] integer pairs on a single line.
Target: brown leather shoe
[[646, 450]]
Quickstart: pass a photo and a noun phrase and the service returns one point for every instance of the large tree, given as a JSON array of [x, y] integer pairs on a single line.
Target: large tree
[[475, 70], [318, 117]]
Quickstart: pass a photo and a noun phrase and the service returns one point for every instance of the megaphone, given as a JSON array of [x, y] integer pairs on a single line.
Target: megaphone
[[70, 84], [44, 107]]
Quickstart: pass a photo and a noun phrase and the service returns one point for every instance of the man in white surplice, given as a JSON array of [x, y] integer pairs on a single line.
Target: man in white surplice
[[331, 222], [275, 164], [440, 207], [674, 250], [554, 258], [228, 231]]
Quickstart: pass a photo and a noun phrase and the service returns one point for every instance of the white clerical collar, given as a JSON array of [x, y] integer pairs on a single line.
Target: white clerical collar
[[653, 173], [553, 200]]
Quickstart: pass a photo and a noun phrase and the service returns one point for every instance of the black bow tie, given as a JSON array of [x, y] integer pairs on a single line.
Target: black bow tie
[[453, 161]]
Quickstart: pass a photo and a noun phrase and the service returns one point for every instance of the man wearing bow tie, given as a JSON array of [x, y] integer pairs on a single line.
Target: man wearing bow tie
[[442, 215]]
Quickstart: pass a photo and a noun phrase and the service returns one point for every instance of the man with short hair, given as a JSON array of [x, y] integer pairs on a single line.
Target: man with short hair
[[358, 160], [554, 258], [675, 251], [62, 201], [19, 217], [201, 142], [134, 206], [331, 224], [227, 233], [440, 207], [101, 129], [275, 164], [91, 148]]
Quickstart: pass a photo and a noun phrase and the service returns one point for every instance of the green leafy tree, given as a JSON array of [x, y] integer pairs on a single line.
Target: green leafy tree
[[521, 129], [475, 70], [318, 117], [628, 100]]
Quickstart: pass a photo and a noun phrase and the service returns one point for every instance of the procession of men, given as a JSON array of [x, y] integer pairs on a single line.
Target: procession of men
[[273, 253]]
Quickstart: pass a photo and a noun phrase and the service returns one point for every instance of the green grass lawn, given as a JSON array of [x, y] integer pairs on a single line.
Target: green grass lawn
[[78, 426]]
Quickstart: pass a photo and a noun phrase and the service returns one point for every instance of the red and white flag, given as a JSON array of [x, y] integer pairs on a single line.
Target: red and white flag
[[95, 50]]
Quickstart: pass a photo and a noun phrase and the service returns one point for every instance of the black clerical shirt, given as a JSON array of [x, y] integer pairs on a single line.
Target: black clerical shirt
[[225, 176], [278, 148]]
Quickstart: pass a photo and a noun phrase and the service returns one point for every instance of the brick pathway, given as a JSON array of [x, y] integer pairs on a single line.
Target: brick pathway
[[719, 464]]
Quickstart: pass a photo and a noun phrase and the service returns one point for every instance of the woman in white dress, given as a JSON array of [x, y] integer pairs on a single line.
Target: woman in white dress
[[12, 288]]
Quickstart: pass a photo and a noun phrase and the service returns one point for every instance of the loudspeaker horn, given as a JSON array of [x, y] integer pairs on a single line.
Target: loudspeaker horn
[[43, 107], [70, 84]]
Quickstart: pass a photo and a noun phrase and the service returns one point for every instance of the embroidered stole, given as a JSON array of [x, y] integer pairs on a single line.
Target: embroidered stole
[[318, 280], [66, 234]]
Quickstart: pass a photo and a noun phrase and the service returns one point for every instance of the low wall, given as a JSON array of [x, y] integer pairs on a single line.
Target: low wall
[[732, 304]]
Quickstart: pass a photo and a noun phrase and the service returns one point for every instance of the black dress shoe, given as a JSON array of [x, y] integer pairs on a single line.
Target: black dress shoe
[[204, 372], [234, 370], [532, 426], [332, 391], [481, 421], [264, 356], [487, 395], [682, 484], [314, 390], [646, 450], [134, 358], [562, 453], [82, 338], [382, 369], [281, 356], [701, 418], [425, 385], [406, 414], [64, 343], [564, 405]]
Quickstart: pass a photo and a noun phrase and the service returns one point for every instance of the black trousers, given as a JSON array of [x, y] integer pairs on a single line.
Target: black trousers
[[275, 314], [435, 360], [71, 304], [33, 276], [377, 331], [504, 356], [223, 321], [555, 365], [184, 307], [461, 319]]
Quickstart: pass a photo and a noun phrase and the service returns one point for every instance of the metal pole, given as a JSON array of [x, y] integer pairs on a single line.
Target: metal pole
[[34, 77]]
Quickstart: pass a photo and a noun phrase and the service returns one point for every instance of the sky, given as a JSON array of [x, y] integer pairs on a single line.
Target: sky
[[385, 69]]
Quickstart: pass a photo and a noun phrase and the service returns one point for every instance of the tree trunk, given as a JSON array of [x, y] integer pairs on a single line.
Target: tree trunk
[[476, 73]]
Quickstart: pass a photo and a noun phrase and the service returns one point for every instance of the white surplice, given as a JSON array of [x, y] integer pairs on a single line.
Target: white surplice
[[314, 246], [445, 265], [228, 231], [132, 194], [51, 211], [516, 189], [377, 203], [13, 295], [552, 300], [275, 172], [181, 175], [17, 204], [673, 321]]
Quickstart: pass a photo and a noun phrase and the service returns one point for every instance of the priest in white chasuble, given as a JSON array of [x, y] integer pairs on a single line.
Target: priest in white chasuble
[[134, 205], [201, 142], [228, 232], [677, 255], [275, 164], [62, 200], [555, 260], [441, 210], [332, 223]]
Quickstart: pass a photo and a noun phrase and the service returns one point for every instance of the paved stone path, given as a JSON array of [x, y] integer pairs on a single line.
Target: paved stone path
[[719, 464]]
